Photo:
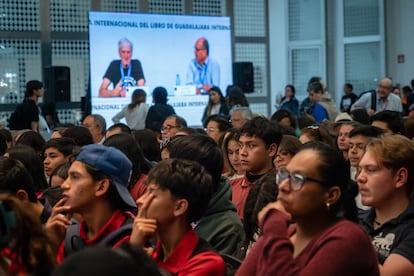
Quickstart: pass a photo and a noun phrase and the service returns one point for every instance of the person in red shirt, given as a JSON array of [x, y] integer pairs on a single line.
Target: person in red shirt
[[97, 190], [178, 194], [325, 239], [259, 140]]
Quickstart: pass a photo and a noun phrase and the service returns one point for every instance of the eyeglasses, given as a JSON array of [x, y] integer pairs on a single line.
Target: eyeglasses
[[210, 129], [164, 143], [384, 87], [167, 128], [199, 49], [296, 180]]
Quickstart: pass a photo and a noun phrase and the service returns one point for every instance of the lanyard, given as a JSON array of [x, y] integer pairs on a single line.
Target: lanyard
[[122, 70], [202, 72]]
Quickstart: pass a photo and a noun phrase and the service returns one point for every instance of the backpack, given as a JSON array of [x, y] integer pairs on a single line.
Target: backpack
[[373, 98], [16, 119], [74, 243]]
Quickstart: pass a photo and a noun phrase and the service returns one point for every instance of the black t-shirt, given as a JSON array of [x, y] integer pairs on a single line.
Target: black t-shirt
[[113, 73], [347, 101], [157, 114], [30, 112], [394, 236]]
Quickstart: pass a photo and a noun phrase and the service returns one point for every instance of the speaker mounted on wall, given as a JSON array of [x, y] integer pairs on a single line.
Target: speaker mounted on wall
[[57, 84], [243, 76]]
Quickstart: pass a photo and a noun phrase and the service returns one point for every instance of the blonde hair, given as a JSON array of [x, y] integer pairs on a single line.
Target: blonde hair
[[394, 152]]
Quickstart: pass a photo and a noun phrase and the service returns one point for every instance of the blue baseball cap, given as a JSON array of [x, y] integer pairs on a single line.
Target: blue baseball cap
[[113, 163]]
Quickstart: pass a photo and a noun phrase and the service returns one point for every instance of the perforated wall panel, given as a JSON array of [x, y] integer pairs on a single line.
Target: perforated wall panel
[[361, 17], [304, 20], [120, 5], [19, 62], [75, 54], [207, 7], [249, 18], [69, 15], [259, 108], [362, 65], [70, 116], [19, 15], [255, 53], [305, 64], [168, 7]]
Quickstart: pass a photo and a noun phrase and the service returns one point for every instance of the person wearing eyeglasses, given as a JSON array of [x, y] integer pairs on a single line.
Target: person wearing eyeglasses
[[216, 127], [172, 125], [203, 71], [325, 239], [287, 149], [383, 99]]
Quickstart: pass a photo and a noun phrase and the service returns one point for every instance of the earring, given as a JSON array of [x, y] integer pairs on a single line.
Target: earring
[[328, 205]]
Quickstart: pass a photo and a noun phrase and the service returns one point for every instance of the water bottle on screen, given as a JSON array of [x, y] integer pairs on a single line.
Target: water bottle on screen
[[177, 80]]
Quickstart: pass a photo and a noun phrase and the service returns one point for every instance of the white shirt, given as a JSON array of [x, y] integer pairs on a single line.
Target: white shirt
[[135, 118], [393, 102]]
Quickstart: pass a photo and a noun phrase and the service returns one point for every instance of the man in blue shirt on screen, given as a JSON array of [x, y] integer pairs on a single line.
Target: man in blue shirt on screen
[[203, 71], [122, 72]]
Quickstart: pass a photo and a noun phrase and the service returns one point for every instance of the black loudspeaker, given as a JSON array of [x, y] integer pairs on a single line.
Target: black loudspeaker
[[57, 84], [243, 76]]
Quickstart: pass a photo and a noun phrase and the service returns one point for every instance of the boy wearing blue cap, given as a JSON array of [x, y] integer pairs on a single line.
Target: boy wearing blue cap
[[96, 189]]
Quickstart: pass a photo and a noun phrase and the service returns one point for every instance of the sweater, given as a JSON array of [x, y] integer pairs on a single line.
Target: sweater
[[342, 249]]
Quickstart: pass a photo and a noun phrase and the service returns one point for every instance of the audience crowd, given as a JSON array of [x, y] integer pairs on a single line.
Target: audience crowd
[[311, 190]]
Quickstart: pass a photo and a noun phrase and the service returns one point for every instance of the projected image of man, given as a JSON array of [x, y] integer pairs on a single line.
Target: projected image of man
[[203, 71], [122, 73]]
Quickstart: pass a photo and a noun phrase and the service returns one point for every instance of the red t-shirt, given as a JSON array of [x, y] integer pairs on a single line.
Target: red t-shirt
[[240, 190], [139, 188], [15, 267], [182, 263], [117, 220]]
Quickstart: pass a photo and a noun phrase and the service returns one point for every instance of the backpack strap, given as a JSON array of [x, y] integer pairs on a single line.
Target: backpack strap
[[73, 241], [117, 235], [374, 100], [202, 246]]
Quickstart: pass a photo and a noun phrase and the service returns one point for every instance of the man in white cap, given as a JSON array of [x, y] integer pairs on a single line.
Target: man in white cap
[[96, 189]]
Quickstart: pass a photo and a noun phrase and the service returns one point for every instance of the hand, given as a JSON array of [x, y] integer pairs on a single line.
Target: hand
[[144, 228], [272, 205], [119, 91], [123, 92], [57, 223], [370, 112], [206, 87]]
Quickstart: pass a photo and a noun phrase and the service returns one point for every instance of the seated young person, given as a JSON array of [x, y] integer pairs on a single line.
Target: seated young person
[[386, 183], [178, 194], [15, 179], [97, 190], [259, 141], [219, 225]]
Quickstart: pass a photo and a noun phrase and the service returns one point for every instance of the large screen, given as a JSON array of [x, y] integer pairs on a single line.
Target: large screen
[[164, 52]]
